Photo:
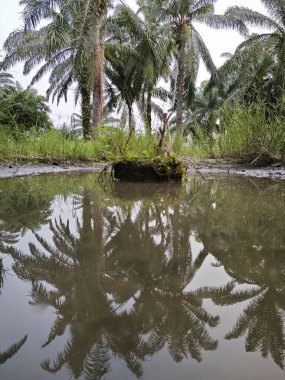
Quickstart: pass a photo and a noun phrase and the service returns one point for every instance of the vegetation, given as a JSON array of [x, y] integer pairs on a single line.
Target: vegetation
[[245, 133], [56, 146], [22, 110], [143, 66]]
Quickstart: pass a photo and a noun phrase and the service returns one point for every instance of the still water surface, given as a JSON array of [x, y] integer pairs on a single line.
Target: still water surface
[[125, 281]]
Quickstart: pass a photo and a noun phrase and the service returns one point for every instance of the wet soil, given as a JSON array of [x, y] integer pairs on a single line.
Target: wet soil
[[232, 167], [194, 165], [8, 170]]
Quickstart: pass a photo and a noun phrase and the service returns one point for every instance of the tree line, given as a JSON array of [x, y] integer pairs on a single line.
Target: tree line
[[118, 58]]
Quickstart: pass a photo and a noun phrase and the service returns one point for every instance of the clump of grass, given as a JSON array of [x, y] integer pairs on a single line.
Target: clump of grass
[[118, 143], [246, 133]]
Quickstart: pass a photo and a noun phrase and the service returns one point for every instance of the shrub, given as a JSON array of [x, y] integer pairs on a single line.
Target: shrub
[[23, 110]]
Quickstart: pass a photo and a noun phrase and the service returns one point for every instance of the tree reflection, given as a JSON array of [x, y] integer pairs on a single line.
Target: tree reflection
[[118, 281], [11, 351], [159, 265], [251, 250], [8, 354], [26, 204], [74, 266]]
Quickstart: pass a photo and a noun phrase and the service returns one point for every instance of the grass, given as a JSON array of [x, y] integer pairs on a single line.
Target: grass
[[246, 134], [54, 145]]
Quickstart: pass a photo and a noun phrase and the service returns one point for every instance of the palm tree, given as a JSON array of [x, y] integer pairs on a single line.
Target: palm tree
[[123, 75], [110, 259], [6, 79], [263, 319], [75, 268], [206, 101], [69, 46], [131, 37], [178, 21], [56, 47], [259, 60]]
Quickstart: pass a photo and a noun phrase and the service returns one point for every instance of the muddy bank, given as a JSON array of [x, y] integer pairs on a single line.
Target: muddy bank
[[232, 167], [204, 166], [19, 170]]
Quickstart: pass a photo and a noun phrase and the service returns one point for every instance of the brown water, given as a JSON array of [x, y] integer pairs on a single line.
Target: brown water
[[120, 281]]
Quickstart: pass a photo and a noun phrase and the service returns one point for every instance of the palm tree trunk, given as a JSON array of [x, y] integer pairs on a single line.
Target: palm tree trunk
[[98, 76], [180, 88], [130, 117], [86, 112], [148, 112]]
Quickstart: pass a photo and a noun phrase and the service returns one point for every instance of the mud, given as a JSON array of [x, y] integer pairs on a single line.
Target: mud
[[204, 166], [232, 167], [11, 170]]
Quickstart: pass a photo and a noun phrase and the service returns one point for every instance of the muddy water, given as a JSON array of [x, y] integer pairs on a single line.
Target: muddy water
[[123, 281]]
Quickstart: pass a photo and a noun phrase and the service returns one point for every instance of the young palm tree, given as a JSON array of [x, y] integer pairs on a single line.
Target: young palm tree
[[134, 42], [123, 75]]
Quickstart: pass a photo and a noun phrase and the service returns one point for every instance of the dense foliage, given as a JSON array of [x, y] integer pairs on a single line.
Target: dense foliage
[[143, 65], [23, 110]]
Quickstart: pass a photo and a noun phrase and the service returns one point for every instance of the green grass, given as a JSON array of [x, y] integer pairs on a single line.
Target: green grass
[[51, 145], [246, 134], [54, 145]]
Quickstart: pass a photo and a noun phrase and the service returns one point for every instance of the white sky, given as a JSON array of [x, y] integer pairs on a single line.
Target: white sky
[[218, 42]]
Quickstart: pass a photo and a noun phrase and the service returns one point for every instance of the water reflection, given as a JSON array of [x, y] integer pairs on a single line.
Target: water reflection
[[245, 232], [145, 256], [118, 272], [11, 351]]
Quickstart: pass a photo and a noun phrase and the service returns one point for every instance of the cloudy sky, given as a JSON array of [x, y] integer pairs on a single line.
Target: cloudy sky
[[217, 41]]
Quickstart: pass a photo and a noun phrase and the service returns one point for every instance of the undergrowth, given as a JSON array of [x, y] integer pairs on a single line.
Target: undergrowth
[[54, 145], [247, 134]]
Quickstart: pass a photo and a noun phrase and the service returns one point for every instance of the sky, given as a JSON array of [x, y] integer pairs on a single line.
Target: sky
[[218, 42]]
